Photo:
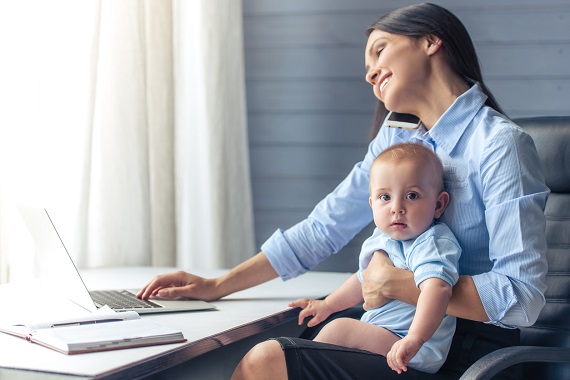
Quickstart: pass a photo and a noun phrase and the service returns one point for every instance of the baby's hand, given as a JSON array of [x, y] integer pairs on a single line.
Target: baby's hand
[[317, 309], [402, 352]]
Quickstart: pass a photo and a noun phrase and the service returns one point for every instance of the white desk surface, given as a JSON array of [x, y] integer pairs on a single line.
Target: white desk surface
[[237, 316]]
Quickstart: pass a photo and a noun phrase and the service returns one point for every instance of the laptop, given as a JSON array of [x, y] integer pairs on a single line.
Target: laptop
[[57, 271]]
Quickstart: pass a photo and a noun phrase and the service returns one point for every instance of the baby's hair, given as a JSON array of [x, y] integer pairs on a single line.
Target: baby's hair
[[414, 152]]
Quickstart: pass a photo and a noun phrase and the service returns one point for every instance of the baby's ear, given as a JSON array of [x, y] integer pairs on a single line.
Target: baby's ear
[[441, 204]]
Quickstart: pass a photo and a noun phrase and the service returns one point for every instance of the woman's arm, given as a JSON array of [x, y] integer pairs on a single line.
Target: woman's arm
[[514, 196], [251, 272], [383, 281], [465, 301]]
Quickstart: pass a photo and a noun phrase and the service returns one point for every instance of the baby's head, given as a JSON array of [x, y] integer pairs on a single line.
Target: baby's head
[[406, 190]]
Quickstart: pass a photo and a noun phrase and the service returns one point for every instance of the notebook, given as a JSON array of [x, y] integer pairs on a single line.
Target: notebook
[[56, 270]]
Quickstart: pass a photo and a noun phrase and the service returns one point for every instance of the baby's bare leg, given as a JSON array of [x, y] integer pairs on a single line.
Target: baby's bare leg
[[353, 333]]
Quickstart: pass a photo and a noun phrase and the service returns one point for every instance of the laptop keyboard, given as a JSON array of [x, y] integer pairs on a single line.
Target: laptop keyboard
[[120, 300]]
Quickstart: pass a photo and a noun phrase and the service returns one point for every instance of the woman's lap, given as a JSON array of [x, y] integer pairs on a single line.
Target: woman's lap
[[309, 360]]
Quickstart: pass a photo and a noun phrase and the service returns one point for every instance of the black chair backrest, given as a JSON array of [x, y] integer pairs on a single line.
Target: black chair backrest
[[551, 136]]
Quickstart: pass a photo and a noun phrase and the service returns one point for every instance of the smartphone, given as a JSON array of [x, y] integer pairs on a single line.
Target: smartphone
[[402, 120]]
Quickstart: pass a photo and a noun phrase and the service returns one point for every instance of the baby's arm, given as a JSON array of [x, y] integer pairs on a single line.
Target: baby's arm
[[347, 295], [432, 304]]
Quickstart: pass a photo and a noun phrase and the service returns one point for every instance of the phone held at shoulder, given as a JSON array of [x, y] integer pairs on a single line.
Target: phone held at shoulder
[[402, 120]]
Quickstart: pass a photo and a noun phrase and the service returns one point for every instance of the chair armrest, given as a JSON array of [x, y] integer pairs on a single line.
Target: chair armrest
[[494, 362]]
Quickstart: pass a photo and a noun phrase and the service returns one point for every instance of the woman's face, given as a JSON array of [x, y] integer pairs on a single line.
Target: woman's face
[[397, 67]]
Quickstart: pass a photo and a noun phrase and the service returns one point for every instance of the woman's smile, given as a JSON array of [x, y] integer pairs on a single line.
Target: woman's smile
[[382, 84]]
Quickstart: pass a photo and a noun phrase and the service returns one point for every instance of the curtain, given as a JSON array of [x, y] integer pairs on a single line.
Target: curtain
[[213, 191], [127, 209], [138, 140]]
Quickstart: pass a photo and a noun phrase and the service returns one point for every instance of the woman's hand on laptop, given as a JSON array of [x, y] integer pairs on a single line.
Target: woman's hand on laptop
[[180, 284], [254, 271]]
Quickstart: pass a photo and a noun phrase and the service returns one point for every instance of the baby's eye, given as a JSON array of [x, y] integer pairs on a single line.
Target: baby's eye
[[412, 196], [384, 197]]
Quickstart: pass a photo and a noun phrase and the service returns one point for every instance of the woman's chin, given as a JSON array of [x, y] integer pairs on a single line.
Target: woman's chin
[[378, 95]]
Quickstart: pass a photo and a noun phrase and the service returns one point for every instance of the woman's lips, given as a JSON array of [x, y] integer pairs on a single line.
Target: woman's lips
[[384, 82]]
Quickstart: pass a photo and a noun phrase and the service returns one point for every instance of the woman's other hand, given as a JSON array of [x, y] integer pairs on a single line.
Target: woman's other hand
[[383, 282]]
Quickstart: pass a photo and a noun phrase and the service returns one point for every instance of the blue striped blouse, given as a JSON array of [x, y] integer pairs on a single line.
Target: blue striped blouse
[[496, 211]]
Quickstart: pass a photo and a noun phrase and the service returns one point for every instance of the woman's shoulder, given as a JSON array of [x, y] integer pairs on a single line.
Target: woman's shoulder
[[494, 130], [494, 122]]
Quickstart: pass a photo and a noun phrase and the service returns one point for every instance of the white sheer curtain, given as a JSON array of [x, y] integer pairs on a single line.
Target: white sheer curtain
[[127, 121], [213, 189]]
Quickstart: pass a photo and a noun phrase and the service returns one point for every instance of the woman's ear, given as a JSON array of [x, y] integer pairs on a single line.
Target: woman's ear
[[441, 204], [433, 44]]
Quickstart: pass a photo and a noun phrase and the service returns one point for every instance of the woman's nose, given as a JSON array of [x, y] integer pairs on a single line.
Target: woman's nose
[[372, 76]]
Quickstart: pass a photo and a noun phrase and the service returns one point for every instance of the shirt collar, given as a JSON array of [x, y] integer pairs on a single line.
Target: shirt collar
[[452, 124]]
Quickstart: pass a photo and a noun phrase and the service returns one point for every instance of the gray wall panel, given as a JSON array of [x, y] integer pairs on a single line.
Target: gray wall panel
[[309, 96], [291, 194], [265, 7], [304, 161], [309, 109], [497, 60], [518, 96], [309, 128], [486, 25], [528, 97]]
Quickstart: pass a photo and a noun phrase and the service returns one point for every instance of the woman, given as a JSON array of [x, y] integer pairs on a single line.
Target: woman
[[419, 60]]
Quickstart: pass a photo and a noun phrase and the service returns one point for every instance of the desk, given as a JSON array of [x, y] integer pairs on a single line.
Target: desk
[[239, 316]]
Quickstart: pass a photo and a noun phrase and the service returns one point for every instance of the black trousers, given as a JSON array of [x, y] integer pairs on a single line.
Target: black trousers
[[308, 360]]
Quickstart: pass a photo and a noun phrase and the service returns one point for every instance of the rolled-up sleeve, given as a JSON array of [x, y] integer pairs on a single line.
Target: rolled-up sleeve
[[329, 227], [514, 195]]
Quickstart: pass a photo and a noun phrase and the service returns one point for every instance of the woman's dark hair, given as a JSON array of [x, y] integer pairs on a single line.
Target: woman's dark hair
[[426, 19]]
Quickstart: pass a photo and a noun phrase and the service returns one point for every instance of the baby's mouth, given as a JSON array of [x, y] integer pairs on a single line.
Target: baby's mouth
[[398, 224]]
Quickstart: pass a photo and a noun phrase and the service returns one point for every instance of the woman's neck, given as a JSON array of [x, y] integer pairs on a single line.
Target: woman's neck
[[441, 92]]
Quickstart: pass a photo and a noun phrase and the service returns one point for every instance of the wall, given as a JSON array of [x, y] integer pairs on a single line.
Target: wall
[[309, 108]]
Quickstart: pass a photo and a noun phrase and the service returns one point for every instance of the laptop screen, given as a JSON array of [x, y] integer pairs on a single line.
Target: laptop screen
[[53, 265]]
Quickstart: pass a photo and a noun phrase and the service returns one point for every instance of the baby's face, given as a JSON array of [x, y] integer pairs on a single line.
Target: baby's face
[[404, 198]]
